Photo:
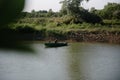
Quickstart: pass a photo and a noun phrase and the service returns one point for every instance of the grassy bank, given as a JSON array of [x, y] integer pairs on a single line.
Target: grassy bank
[[83, 32], [61, 24]]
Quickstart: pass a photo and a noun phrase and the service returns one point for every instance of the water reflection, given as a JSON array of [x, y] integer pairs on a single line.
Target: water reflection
[[78, 61], [94, 62], [73, 62]]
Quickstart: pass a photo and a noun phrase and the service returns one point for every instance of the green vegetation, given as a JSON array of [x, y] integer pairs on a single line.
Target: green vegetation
[[110, 11], [65, 20], [71, 19]]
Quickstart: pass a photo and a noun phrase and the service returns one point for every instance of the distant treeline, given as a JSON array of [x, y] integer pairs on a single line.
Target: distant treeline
[[78, 15]]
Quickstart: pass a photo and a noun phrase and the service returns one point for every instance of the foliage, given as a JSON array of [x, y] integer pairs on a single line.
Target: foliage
[[72, 8], [24, 29], [10, 9], [90, 17], [116, 14], [39, 14], [110, 11], [112, 22]]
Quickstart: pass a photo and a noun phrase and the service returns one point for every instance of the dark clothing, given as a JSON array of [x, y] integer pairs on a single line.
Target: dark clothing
[[56, 41]]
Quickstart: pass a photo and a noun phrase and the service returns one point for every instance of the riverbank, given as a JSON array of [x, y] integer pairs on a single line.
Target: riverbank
[[78, 35], [81, 36], [84, 32]]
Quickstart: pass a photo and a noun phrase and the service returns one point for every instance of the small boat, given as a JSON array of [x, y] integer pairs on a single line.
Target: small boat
[[58, 44]]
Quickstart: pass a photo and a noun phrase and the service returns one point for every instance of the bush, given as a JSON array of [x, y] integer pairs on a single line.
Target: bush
[[24, 29]]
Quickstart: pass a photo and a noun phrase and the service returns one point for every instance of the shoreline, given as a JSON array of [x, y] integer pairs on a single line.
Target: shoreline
[[69, 36], [82, 36]]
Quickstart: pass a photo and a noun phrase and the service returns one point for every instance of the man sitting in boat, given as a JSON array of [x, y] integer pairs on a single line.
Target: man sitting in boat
[[56, 41], [55, 44]]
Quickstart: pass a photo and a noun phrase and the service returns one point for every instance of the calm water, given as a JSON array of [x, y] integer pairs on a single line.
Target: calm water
[[78, 61]]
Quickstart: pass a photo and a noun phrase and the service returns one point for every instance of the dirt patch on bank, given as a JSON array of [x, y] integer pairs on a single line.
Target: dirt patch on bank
[[82, 36]]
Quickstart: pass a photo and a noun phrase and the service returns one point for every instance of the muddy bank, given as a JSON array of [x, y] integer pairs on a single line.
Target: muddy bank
[[96, 36], [81, 36], [74, 36]]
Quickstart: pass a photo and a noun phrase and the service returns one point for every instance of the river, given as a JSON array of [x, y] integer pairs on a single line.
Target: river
[[77, 61]]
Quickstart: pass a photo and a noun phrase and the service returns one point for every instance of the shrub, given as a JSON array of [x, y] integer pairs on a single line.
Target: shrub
[[24, 29]]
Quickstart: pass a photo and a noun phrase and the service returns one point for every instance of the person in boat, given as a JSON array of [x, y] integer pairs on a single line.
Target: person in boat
[[56, 41]]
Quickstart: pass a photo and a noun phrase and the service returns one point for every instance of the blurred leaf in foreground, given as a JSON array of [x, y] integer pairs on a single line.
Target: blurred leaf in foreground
[[9, 11]]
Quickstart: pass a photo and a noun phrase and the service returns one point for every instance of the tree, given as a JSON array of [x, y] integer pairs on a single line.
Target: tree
[[116, 14], [50, 13], [64, 9], [93, 10], [109, 11], [71, 7]]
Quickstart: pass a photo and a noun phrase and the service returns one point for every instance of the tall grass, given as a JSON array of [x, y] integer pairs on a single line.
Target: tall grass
[[57, 25]]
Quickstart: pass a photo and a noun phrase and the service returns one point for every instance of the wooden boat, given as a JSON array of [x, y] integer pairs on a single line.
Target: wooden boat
[[58, 44]]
